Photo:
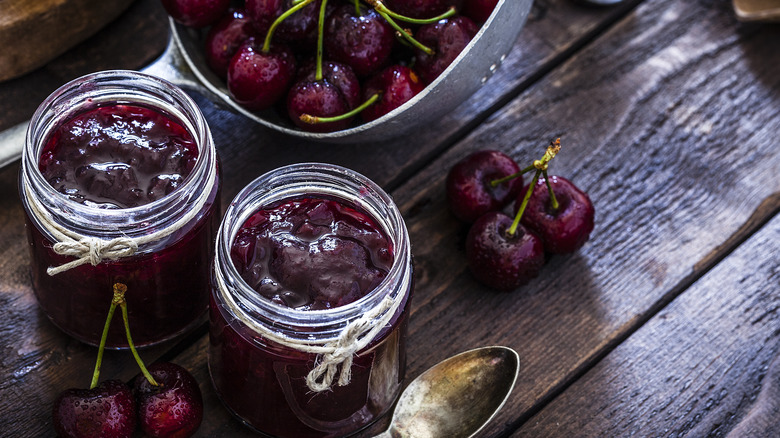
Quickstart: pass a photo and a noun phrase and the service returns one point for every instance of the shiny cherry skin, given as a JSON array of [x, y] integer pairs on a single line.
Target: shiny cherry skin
[[224, 39], [469, 192], [395, 85], [174, 409], [364, 42], [196, 13], [336, 93], [566, 229], [106, 411], [256, 79], [501, 261], [422, 8], [447, 38], [478, 10]]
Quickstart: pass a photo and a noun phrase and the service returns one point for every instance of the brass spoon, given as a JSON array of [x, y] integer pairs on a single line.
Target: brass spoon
[[456, 397]]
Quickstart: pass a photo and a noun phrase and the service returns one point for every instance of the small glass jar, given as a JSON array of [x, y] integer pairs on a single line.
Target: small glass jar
[[262, 381], [167, 275]]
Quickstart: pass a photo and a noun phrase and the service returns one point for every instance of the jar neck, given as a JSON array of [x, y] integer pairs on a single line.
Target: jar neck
[[110, 88], [310, 179]]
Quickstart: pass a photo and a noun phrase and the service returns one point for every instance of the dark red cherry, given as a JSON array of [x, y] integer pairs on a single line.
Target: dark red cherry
[[174, 409], [256, 79], [422, 8], [196, 13], [263, 13], [336, 93], [478, 10], [500, 260], [395, 85], [224, 38], [300, 26], [106, 411], [469, 192], [447, 38], [364, 42], [320, 99], [338, 74], [563, 230]]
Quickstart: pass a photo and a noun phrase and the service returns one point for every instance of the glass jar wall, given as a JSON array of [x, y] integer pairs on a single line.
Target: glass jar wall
[[263, 351], [120, 220]]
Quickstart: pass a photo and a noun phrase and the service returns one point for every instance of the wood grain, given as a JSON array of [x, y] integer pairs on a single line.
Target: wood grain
[[695, 369], [668, 113], [34, 33]]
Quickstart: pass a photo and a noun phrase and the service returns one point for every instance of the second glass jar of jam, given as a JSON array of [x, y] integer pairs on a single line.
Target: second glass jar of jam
[[312, 282], [119, 182]]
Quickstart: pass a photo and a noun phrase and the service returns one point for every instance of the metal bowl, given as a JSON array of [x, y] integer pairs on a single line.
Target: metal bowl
[[184, 64]]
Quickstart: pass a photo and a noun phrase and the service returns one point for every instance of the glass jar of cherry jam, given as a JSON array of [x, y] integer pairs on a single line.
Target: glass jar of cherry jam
[[119, 183], [304, 252]]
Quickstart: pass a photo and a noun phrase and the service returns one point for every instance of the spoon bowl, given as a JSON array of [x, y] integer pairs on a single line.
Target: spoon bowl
[[456, 397]]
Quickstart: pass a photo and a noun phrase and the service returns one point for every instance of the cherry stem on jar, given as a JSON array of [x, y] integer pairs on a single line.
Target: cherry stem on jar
[[119, 299], [407, 35], [308, 118], [103, 337], [298, 6]]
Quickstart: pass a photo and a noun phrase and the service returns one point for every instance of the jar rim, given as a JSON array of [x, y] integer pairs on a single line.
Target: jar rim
[[256, 195], [104, 88]]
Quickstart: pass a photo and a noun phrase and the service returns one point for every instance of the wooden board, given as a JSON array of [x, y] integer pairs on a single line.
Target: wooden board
[[33, 33], [695, 369]]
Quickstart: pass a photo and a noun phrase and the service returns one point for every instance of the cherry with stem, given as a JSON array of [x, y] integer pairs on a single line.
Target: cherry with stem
[[502, 253]]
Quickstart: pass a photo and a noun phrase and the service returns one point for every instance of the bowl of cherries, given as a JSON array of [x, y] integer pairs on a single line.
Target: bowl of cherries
[[339, 71]]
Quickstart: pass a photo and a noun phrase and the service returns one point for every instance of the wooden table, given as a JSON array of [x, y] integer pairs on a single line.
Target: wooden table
[[666, 323]]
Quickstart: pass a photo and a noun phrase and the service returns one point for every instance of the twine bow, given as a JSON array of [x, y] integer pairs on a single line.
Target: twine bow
[[93, 251]]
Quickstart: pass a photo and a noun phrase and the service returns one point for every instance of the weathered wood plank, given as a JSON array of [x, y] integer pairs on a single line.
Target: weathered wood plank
[[129, 42], [669, 122], [695, 369]]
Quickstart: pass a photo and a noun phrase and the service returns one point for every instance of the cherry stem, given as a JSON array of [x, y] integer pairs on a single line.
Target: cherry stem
[[278, 21], [380, 7], [308, 118], [103, 337], [119, 298], [496, 182], [320, 38], [513, 229], [407, 35], [553, 201], [541, 168]]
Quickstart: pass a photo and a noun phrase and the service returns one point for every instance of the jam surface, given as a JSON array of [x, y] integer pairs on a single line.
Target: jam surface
[[312, 253], [118, 156]]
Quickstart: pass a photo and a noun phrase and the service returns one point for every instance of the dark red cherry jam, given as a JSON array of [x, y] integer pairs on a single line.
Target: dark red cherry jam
[[125, 156], [118, 156], [312, 254], [307, 265]]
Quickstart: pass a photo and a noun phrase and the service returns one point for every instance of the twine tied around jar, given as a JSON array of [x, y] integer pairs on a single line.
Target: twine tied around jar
[[332, 354], [93, 250]]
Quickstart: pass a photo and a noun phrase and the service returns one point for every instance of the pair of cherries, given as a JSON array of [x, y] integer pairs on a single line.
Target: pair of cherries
[[165, 399], [552, 216]]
